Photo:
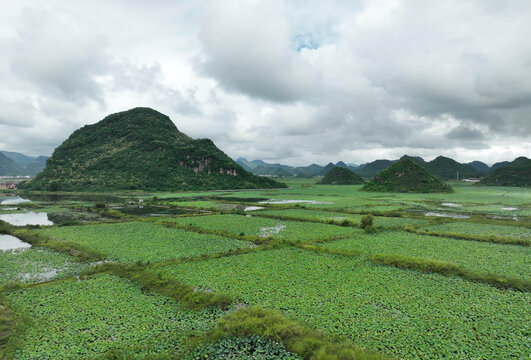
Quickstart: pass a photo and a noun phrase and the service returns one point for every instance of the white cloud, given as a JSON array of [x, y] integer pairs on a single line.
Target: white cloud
[[271, 79]]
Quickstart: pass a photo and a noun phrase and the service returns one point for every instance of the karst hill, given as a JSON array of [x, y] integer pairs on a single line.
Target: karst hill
[[141, 149]]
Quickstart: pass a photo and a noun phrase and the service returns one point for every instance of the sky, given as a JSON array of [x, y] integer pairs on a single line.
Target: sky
[[280, 80]]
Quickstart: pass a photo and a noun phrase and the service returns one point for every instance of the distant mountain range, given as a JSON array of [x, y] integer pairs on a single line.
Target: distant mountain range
[[13, 163], [442, 167]]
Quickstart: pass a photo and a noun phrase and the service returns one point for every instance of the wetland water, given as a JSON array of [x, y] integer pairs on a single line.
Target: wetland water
[[13, 200], [8, 242], [280, 202], [29, 218]]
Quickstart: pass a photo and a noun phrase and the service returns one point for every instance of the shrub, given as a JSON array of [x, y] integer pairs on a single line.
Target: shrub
[[366, 221], [346, 222], [296, 338]]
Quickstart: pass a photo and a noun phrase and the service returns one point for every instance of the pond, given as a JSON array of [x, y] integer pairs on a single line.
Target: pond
[[453, 216], [73, 197], [449, 204], [8, 242], [14, 200], [29, 218], [253, 208], [278, 202]]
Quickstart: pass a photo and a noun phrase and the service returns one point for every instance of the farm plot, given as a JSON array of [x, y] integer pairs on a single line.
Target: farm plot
[[142, 241], [470, 228], [379, 221], [498, 259], [202, 204], [85, 319], [402, 313], [36, 264], [263, 227]]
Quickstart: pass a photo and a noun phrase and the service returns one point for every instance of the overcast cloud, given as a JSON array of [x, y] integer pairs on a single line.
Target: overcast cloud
[[276, 80]]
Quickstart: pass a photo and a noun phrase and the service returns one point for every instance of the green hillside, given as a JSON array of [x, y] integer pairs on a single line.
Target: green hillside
[[141, 149], [36, 166], [480, 166], [516, 173], [447, 169], [371, 169], [8, 166], [406, 176], [341, 176], [20, 159]]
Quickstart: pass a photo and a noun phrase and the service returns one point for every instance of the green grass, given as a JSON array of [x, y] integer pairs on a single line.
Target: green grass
[[85, 319], [450, 269], [507, 260], [255, 226], [142, 241], [317, 215], [399, 312], [406, 295], [36, 264], [196, 204], [470, 228]]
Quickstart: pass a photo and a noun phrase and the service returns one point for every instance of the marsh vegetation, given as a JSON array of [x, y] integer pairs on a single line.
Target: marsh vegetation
[[312, 272]]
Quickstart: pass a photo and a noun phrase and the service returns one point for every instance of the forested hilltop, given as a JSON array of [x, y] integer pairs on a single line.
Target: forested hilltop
[[141, 149], [341, 176], [406, 175], [516, 173]]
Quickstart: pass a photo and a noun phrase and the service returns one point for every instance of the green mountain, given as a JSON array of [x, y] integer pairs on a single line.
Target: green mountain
[[8, 166], [310, 170], [36, 166], [26, 165], [517, 173], [21, 159], [244, 164], [342, 164], [341, 176], [259, 167], [406, 175], [499, 165], [141, 149], [371, 169], [327, 168], [442, 167], [480, 166], [447, 169]]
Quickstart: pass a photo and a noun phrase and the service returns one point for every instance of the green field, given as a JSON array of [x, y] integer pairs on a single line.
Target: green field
[[480, 229], [398, 312], [262, 227], [83, 320], [142, 241], [508, 260], [325, 216], [298, 279]]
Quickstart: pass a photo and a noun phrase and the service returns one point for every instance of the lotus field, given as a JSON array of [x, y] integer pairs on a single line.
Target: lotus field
[[307, 272]]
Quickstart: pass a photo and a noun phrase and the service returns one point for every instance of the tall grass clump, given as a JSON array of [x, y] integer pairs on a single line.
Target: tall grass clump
[[298, 339], [451, 269], [367, 222], [186, 295]]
